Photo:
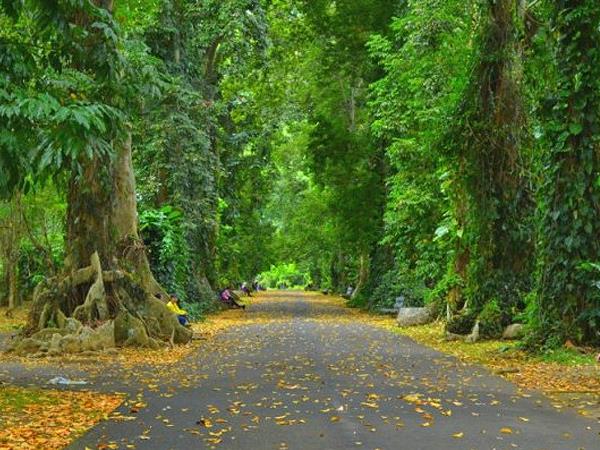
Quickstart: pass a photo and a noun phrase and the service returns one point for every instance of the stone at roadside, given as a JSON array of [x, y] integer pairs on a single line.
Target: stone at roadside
[[514, 331], [474, 336], [414, 316]]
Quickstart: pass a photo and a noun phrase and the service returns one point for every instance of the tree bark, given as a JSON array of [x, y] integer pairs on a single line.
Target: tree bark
[[114, 286], [125, 219], [363, 273], [11, 250]]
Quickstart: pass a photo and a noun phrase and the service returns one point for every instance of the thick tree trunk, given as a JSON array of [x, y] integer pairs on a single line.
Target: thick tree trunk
[[89, 212], [107, 295], [491, 201], [125, 219]]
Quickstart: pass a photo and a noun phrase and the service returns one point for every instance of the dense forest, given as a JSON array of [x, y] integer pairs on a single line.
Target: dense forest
[[446, 151]]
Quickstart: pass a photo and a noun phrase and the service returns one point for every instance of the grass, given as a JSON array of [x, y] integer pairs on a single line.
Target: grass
[[562, 370], [567, 357], [15, 399], [479, 352]]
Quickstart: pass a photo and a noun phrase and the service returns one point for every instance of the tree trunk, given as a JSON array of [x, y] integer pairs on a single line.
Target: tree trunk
[[106, 295], [107, 281], [126, 220], [566, 301], [491, 199], [12, 287], [363, 273], [10, 243]]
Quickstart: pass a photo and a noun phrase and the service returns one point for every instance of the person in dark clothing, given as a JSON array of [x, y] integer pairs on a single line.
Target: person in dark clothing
[[246, 289]]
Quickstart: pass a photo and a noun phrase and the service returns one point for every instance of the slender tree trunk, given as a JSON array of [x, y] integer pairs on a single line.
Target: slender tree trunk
[[125, 218], [363, 273], [11, 250], [12, 287]]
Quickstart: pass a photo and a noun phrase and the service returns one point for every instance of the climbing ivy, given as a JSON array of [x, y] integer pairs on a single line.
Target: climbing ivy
[[491, 200], [566, 302]]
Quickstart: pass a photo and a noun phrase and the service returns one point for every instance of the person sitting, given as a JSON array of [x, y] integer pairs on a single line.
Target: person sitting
[[173, 305], [246, 289], [228, 297]]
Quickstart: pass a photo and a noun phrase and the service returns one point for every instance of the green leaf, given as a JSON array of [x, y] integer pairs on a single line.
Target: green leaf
[[575, 128]]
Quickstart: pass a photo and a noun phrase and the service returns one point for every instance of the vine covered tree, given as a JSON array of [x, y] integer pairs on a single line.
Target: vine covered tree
[[490, 196], [566, 301]]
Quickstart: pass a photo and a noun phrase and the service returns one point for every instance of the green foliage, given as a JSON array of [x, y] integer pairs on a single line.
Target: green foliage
[[567, 356], [60, 97], [462, 323], [284, 275], [197, 311], [423, 148], [566, 303], [490, 195], [187, 147], [168, 252], [31, 240], [33, 264], [492, 320], [425, 61]]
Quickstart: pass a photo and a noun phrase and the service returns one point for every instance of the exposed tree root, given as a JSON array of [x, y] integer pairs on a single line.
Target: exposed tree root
[[116, 311]]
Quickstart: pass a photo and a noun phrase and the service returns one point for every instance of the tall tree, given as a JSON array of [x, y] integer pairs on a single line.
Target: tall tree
[[425, 61], [186, 131], [490, 196], [107, 277], [11, 230]]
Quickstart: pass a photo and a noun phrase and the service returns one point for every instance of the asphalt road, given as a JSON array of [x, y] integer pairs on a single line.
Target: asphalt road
[[311, 380]]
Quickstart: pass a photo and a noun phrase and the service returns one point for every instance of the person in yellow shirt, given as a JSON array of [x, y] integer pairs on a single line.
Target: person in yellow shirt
[[173, 305]]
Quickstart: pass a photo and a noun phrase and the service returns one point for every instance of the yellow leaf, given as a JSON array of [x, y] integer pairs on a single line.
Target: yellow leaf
[[370, 404], [506, 430], [458, 435], [206, 422]]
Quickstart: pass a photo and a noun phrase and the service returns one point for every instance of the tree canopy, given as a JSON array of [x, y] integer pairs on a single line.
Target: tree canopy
[[445, 151]]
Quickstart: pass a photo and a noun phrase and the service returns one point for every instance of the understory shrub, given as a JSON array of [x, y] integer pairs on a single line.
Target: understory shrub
[[491, 320]]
